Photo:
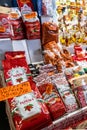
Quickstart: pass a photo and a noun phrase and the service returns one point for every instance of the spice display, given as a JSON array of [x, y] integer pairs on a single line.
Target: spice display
[[50, 96]]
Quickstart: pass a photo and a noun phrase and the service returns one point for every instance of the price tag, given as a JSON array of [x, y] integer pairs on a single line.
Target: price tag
[[25, 1], [2, 29], [30, 15], [14, 15], [13, 91]]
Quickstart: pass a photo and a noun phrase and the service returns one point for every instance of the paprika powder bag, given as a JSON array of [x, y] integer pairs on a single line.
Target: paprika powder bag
[[5, 27], [32, 25], [16, 24], [29, 111], [14, 54], [49, 32], [16, 71], [53, 100]]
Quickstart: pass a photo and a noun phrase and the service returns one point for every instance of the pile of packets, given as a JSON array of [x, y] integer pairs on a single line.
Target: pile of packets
[[27, 111], [53, 95], [17, 25]]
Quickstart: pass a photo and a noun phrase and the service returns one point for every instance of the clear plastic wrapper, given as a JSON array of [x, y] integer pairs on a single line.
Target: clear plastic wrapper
[[5, 27], [32, 25], [16, 71], [17, 26], [49, 32], [28, 112]]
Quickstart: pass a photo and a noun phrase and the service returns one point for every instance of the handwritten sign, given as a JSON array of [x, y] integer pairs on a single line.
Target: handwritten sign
[[13, 91]]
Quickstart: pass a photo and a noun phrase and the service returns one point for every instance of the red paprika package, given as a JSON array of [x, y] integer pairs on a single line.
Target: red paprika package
[[5, 28], [28, 112], [16, 71], [16, 24], [14, 54], [25, 4], [32, 25], [53, 100]]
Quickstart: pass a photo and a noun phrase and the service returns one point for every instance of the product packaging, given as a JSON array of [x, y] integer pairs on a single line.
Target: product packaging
[[5, 27], [16, 71], [80, 89], [32, 25], [65, 92], [49, 32], [17, 26], [28, 111], [25, 5], [50, 96], [48, 7]]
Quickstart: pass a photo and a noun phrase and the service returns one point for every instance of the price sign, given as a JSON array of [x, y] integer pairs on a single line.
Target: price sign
[[14, 91]]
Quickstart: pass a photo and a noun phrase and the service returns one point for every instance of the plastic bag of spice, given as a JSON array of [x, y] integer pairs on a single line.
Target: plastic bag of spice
[[16, 24], [28, 111], [49, 32], [32, 25], [16, 71], [5, 27], [51, 97]]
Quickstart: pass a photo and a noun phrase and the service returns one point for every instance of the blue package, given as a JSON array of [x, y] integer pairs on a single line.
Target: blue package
[[14, 3], [39, 7]]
